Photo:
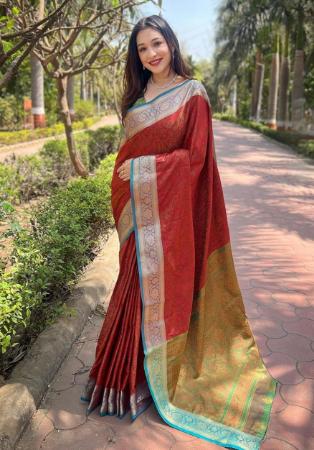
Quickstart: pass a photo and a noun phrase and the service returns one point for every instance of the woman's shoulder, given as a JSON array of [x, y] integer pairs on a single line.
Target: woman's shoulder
[[198, 88]]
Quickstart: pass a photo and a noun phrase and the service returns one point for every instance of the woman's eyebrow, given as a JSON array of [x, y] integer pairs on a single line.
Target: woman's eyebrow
[[142, 43]]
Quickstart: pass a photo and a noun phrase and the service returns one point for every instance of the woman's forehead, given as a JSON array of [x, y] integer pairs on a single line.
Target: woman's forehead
[[147, 35]]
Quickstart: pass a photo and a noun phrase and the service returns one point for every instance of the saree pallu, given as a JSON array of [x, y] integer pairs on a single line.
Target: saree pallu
[[202, 366]]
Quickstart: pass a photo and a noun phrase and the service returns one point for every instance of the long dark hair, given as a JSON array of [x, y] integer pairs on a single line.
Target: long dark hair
[[135, 78]]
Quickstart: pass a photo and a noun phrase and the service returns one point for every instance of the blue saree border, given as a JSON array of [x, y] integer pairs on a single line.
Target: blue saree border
[[234, 439], [159, 95]]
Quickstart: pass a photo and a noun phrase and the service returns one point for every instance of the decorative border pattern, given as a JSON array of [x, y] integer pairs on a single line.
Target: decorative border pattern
[[125, 224], [144, 115], [151, 255], [150, 259]]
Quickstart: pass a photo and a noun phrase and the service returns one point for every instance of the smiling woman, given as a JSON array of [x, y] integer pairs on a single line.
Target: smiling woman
[[154, 62], [176, 332]]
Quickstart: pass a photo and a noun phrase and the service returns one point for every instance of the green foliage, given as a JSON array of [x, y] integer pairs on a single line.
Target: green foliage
[[84, 108], [307, 147], [9, 186], [8, 115], [14, 137], [19, 87], [102, 142], [48, 258], [309, 86], [51, 101], [27, 177]]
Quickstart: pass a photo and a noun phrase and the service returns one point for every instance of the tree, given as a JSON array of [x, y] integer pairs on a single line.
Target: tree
[[242, 30], [20, 30], [274, 84], [87, 35], [37, 75]]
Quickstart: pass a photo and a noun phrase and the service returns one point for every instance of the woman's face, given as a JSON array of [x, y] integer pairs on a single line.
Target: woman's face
[[153, 50]]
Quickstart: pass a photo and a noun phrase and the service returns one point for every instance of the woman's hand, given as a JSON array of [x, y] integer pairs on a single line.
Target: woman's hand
[[124, 170]]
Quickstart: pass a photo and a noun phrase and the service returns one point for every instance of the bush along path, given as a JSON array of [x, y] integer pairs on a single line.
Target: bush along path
[[28, 142], [269, 192], [48, 257], [31, 378], [27, 177], [298, 142]]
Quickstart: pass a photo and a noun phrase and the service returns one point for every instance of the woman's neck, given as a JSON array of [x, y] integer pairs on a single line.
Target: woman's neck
[[163, 77]]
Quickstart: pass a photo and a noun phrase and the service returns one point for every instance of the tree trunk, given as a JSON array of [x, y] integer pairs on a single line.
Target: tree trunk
[[115, 96], [234, 97], [83, 86], [297, 95], [70, 96], [273, 88], [66, 117], [283, 113], [91, 90], [37, 82], [37, 94], [257, 87], [98, 100]]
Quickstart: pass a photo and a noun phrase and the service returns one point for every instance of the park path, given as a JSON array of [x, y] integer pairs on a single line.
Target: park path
[[31, 147], [269, 193]]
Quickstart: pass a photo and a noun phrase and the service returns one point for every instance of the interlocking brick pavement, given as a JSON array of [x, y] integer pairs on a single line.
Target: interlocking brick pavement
[[269, 193]]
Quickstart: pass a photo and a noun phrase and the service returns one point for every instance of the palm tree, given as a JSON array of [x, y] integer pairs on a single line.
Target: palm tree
[[257, 93], [274, 84], [37, 82], [283, 100], [297, 94], [241, 31]]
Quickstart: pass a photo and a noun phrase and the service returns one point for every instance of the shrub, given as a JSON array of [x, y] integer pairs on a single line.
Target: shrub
[[8, 112], [307, 147], [47, 258], [81, 141], [9, 186], [27, 177], [14, 137], [102, 142], [84, 108]]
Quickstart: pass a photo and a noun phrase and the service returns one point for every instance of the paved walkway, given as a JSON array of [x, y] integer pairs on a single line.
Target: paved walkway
[[31, 147], [269, 194]]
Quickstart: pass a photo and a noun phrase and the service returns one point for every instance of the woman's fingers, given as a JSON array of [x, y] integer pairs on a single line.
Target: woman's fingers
[[124, 170]]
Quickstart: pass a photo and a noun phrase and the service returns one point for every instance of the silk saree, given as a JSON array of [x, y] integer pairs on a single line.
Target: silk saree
[[176, 332]]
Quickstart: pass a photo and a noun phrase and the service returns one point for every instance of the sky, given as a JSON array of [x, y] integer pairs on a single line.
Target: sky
[[193, 21]]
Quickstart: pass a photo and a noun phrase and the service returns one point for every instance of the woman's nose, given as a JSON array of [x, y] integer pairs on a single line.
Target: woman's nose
[[151, 52]]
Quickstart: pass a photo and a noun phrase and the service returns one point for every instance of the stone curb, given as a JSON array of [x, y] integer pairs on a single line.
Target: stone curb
[[29, 380]]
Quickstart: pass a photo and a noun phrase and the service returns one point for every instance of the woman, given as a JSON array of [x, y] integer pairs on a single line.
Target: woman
[[176, 329]]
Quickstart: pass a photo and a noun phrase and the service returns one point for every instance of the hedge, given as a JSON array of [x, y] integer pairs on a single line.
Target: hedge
[[15, 137], [293, 139], [27, 177], [48, 257]]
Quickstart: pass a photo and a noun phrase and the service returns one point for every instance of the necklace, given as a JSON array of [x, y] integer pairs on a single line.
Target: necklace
[[165, 85]]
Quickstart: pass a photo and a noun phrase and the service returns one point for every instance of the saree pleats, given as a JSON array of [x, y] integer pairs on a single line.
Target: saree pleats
[[176, 329], [116, 380]]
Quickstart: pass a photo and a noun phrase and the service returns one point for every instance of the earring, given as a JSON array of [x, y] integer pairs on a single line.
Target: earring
[[144, 67]]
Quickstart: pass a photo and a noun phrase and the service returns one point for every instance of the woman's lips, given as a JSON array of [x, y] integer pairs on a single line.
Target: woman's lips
[[155, 63]]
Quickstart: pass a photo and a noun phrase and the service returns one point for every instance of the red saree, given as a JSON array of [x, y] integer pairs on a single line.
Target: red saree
[[202, 367]]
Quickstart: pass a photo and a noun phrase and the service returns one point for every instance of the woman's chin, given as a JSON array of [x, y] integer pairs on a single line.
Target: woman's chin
[[158, 70]]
